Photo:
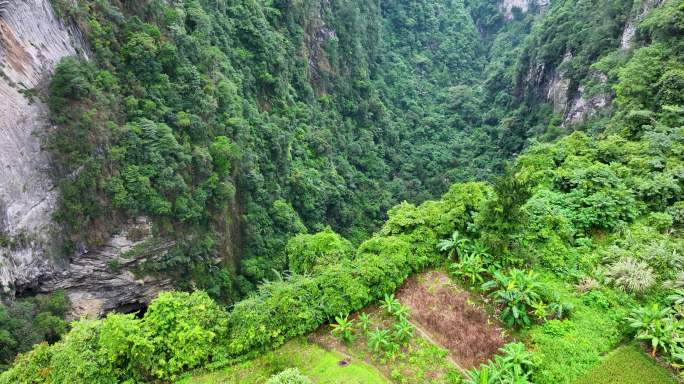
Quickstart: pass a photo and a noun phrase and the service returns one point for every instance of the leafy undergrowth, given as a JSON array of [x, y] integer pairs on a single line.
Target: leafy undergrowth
[[320, 365], [417, 361], [627, 365], [565, 349], [451, 318]]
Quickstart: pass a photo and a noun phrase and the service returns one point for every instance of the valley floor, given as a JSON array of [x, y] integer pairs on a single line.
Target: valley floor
[[454, 331]]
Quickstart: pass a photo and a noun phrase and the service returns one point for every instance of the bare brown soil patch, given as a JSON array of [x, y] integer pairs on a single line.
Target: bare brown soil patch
[[450, 317]]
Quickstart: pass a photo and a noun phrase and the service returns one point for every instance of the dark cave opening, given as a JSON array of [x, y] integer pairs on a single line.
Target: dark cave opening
[[137, 308]]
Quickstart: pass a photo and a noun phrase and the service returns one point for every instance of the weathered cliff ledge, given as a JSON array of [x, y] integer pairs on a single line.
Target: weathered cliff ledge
[[107, 279]]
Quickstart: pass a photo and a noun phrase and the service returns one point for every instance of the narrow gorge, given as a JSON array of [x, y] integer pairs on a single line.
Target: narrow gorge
[[231, 152]]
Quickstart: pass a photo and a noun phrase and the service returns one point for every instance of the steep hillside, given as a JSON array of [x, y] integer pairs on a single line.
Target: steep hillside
[[249, 149], [233, 127]]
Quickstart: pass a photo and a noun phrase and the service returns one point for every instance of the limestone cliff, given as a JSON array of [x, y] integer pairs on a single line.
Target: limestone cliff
[[581, 105], [104, 280], [32, 42], [576, 105]]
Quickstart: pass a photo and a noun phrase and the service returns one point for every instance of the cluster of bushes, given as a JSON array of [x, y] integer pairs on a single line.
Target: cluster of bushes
[[181, 331], [27, 321], [289, 376], [662, 328], [309, 253], [519, 295]]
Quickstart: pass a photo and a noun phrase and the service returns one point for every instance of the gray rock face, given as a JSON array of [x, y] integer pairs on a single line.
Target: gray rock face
[[506, 6], [581, 106], [317, 34], [32, 42], [584, 106], [639, 13], [557, 91]]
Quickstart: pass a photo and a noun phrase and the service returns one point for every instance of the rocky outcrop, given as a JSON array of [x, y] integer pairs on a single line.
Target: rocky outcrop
[[584, 106], [641, 11], [581, 105], [108, 278], [318, 32], [578, 105], [557, 90], [507, 6], [32, 41]]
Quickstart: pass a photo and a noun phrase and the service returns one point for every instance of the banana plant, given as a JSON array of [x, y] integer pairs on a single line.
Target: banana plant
[[344, 329], [470, 269], [378, 340], [515, 292], [657, 326], [364, 322], [515, 357], [403, 331], [390, 304], [401, 312], [513, 365], [484, 375], [456, 246], [677, 301]]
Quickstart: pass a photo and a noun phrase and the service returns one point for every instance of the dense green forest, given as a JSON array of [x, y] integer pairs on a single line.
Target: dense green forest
[[308, 156], [236, 126]]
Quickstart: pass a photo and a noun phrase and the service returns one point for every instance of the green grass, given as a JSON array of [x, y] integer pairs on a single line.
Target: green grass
[[567, 349], [627, 365], [319, 365]]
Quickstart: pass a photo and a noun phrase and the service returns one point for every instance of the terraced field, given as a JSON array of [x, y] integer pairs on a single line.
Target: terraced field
[[451, 334], [453, 331]]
